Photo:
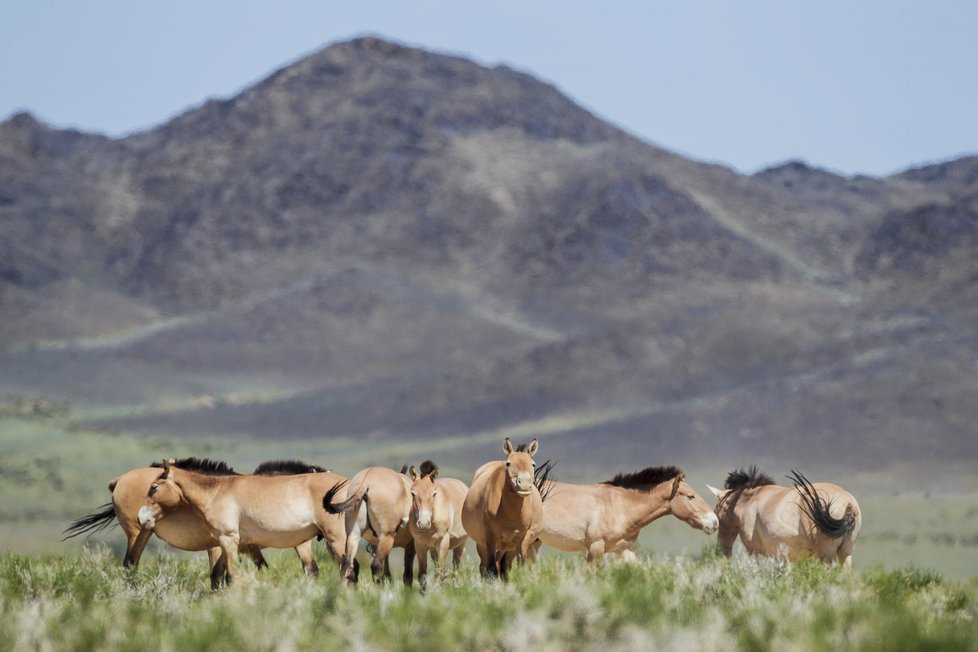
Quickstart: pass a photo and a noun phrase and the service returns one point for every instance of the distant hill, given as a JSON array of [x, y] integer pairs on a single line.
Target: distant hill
[[379, 241]]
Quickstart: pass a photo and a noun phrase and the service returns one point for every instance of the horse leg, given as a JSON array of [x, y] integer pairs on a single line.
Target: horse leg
[[219, 567], [349, 568], [422, 553], [503, 562], [628, 555], [725, 541], [255, 553], [229, 550], [533, 550], [378, 567], [457, 553], [136, 546], [409, 554], [443, 545], [304, 550], [492, 569], [483, 560], [595, 551]]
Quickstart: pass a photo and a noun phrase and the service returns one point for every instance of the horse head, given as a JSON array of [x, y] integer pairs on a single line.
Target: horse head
[[423, 494], [688, 506], [520, 467], [164, 496]]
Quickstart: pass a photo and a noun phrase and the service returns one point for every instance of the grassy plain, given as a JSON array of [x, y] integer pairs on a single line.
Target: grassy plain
[[88, 601]]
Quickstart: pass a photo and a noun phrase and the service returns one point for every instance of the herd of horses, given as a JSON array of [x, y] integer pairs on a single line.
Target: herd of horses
[[511, 507]]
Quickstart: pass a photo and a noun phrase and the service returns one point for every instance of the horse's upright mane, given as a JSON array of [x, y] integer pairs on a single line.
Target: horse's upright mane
[[646, 478], [200, 465], [427, 468], [522, 448], [752, 477], [287, 467]]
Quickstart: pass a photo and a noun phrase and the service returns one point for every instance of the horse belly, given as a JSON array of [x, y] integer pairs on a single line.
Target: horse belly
[[185, 532], [279, 528]]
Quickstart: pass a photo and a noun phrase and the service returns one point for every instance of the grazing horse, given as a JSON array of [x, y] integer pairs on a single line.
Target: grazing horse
[[503, 510], [807, 520], [280, 511], [182, 529], [607, 517], [436, 518], [377, 505]]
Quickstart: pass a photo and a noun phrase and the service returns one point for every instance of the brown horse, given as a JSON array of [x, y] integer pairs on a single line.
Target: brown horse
[[269, 511], [607, 517], [436, 518], [377, 505], [183, 529], [806, 520], [503, 510]]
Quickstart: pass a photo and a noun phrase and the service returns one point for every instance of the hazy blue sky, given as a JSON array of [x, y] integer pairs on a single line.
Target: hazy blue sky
[[867, 86]]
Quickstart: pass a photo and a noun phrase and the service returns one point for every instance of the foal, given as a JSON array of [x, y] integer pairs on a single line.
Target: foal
[[436, 518]]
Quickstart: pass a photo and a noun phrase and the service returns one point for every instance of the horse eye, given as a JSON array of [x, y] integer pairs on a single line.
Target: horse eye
[[414, 494], [507, 465], [434, 493], [153, 488], [690, 496]]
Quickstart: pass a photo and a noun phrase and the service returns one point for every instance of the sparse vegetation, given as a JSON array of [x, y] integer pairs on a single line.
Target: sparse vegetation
[[90, 602]]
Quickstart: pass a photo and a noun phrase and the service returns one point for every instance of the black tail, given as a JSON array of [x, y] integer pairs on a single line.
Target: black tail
[[541, 478], [339, 508], [92, 523], [818, 509]]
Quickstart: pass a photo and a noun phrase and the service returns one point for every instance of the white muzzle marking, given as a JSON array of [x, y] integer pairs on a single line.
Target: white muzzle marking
[[710, 523], [146, 518]]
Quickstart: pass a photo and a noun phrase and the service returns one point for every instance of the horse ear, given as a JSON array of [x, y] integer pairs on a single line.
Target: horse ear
[[533, 448], [413, 473], [675, 486], [166, 470], [433, 474], [713, 490], [507, 446]]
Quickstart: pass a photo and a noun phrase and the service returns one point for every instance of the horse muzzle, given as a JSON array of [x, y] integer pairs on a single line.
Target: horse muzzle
[[147, 517], [710, 523]]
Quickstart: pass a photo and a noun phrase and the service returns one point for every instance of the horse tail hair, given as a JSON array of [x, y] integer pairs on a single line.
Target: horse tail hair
[[542, 479], [818, 509], [350, 503], [91, 523]]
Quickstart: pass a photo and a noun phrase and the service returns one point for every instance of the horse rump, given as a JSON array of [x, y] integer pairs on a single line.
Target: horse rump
[[818, 509]]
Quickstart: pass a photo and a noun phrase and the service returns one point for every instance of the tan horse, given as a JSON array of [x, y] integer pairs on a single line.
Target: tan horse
[[503, 510], [183, 529], [607, 517], [436, 518], [807, 520], [268, 511], [377, 505]]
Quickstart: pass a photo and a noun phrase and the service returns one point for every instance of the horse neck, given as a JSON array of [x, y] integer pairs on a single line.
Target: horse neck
[[198, 491], [642, 507]]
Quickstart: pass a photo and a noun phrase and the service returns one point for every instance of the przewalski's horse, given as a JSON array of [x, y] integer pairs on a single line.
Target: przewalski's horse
[[183, 529], [436, 518], [806, 520], [607, 517], [279, 511], [503, 510], [376, 503]]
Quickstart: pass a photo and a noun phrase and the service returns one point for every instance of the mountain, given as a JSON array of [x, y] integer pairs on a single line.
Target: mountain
[[380, 241]]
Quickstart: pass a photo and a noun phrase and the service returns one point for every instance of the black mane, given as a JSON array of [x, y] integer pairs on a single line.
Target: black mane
[[200, 465], [427, 468], [752, 477], [286, 467], [646, 478]]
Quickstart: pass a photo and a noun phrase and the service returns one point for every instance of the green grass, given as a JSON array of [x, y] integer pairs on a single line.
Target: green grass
[[89, 602]]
